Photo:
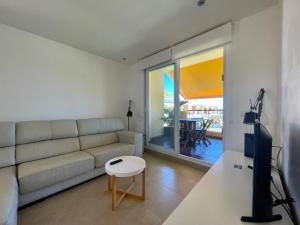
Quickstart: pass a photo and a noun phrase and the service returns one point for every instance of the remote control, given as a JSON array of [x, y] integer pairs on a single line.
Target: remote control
[[116, 161]]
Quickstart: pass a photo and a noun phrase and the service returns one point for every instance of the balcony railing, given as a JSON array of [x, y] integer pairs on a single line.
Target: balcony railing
[[215, 114]]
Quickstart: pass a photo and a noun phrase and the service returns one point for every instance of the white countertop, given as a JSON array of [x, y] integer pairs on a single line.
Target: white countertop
[[222, 196]]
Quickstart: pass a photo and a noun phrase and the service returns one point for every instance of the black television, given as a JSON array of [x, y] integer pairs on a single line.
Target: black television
[[262, 201]]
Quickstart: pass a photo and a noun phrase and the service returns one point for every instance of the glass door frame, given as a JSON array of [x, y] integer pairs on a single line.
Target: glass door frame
[[175, 63]]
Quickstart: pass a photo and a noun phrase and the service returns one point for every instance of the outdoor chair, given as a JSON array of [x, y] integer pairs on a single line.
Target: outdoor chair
[[187, 132], [201, 134]]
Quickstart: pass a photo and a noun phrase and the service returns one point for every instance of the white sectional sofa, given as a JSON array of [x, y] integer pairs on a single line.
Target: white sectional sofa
[[40, 158], [8, 180]]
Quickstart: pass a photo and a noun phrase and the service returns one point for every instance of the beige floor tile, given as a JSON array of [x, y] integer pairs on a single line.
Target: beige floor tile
[[167, 182]]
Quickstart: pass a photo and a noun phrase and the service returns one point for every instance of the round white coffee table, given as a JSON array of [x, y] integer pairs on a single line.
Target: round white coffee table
[[129, 167]]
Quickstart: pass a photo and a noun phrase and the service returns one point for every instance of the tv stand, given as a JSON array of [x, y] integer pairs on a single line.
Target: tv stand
[[251, 219], [223, 195]]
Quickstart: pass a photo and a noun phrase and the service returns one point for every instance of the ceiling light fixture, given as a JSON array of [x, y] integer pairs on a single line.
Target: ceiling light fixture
[[201, 2]]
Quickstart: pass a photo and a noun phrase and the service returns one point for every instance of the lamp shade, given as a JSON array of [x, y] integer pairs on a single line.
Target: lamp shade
[[129, 112], [250, 117]]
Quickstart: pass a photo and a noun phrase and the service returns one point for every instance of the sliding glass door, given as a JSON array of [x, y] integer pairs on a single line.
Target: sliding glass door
[[185, 106], [201, 105], [161, 106]]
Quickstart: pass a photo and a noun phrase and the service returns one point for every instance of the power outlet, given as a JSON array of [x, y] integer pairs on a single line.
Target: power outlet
[[238, 166]]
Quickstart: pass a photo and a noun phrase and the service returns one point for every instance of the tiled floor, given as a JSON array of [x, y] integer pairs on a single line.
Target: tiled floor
[[210, 154], [167, 183]]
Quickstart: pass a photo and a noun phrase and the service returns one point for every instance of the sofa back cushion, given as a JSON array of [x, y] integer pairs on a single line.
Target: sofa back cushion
[[34, 131], [98, 131], [7, 144], [99, 126], [42, 139], [96, 140]]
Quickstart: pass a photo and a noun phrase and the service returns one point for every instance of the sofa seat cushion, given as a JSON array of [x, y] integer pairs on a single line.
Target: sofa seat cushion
[[37, 174], [104, 153], [8, 196]]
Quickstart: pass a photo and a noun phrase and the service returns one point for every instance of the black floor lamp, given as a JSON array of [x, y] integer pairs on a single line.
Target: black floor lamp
[[129, 113]]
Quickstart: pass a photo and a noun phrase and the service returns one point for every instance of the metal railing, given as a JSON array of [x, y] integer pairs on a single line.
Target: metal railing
[[215, 114]]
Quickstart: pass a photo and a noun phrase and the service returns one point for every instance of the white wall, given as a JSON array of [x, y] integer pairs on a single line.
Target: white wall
[[291, 99], [253, 61], [43, 79], [137, 89], [156, 103]]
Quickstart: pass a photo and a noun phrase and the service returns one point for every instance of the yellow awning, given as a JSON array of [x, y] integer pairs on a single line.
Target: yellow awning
[[202, 80]]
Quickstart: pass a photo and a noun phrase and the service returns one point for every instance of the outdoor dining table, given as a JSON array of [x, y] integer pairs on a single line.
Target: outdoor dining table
[[192, 119], [189, 129]]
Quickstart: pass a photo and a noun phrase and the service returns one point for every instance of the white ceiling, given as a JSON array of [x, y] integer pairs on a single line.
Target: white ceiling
[[123, 28]]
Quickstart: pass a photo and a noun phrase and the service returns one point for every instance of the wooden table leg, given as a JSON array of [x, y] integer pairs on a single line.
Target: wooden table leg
[[114, 196], [112, 186], [109, 182], [143, 184]]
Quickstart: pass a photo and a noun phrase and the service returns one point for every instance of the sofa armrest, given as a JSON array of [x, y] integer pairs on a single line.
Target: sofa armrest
[[8, 196], [134, 138]]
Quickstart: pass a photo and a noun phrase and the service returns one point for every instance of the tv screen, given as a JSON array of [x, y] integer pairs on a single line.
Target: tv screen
[[262, 197], [262, 201]]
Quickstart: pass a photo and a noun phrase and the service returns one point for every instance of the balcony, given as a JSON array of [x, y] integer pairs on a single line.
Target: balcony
[[198, 150], [216, 128]]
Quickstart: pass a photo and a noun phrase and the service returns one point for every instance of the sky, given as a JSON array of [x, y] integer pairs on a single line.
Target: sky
[[169, 89]]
